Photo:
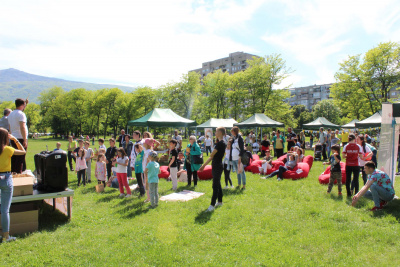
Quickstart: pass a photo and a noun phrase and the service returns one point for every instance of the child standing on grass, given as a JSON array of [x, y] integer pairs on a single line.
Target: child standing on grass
[[122, 163], [336, 172], [227, 169], [80, 168], [152, 171], [88, 156], [101, 169], [139, 168], [147, 149], [173, 167]]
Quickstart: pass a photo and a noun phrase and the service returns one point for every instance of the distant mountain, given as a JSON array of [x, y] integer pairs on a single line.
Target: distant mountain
[[15, 83]]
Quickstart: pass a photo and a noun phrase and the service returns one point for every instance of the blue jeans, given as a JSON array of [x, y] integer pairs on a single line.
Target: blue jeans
[[311, 143], [241, 176], [129, 173], [378, 193], [328, 149], [6, 187]]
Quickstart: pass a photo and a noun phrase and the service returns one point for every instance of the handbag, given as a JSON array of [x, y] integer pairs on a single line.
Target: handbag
[[198, 159]]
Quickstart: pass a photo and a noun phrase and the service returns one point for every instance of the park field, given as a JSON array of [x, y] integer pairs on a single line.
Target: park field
[[271, 223]]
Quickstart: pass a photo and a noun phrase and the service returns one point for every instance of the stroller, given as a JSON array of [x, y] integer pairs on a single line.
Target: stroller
[[318, 152]]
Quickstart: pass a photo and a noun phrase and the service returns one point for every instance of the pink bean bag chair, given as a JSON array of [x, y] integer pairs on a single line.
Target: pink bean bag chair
[[164, 172], [206, 174], [256, 157], [324, 177], [282, 158], [257, 164]]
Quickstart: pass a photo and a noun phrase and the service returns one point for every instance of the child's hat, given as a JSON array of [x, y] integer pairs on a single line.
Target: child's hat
[[153, 154]]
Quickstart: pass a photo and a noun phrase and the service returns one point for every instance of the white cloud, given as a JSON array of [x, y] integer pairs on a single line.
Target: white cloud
[[322, 32], [133, 42]]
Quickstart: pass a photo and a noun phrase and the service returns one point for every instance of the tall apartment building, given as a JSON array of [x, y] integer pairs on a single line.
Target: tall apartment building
[[308, 95], [234, 63]]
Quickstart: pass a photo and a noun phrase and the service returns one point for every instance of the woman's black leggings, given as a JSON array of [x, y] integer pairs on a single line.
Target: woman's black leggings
[[208, 148], [278, 152], [189, 175], [227, 175]]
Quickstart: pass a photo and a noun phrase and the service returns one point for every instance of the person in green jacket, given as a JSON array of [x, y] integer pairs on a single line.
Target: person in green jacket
[[278, 141], [192, 149]]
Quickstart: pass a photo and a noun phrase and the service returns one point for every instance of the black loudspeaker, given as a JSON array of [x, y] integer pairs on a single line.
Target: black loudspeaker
[[51, 170]]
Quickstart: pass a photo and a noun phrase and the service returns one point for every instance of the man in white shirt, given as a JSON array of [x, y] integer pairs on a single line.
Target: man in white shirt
[[18, 128], [4, 121], [178, 138]]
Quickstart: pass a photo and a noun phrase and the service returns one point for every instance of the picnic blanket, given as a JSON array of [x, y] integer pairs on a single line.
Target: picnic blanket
[[184, 195]]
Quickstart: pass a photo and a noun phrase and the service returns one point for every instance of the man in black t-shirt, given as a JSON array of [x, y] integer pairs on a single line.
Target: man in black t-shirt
[[121, 138], [110, 154], [265, 144], [291, 136], [173, 167], [217, 168]]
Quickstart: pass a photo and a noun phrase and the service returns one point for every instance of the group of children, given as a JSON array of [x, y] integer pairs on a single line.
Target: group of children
[[144, 164]]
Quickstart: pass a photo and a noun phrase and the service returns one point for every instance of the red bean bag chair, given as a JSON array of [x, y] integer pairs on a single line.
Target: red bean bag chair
[[294, 174], [309, 160], [255, 166], [206, 174], [164, 172], [324, 177], [256, 157], [282, 158]]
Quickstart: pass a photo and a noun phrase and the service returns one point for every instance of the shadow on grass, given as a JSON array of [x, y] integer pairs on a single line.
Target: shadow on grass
[[134, 210], [50, 220], [337, 197], [203, 217], [235, 191], [393, 208]]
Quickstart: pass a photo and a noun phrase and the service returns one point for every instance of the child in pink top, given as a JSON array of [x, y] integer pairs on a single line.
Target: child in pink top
[[80, 167], [101, 171]]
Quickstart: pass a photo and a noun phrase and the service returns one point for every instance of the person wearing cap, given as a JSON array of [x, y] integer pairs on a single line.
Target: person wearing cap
[[18, 128], [4, 121], [152, 170]]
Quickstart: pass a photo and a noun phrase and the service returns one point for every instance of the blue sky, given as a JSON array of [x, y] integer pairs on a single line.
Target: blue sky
[[154, 42]]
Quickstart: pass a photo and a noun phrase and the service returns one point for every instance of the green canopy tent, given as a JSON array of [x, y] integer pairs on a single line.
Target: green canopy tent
[[320, 122], [215, 123], [350, 125], [259, 120], [160, 117], [371, 122]]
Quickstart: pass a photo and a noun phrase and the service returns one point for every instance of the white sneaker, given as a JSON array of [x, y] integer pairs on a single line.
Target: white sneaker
[[279, 179], [210, 209], [226, 187], [121, 195], [10, 239], [128, 195], [232, 186], [219, 204]]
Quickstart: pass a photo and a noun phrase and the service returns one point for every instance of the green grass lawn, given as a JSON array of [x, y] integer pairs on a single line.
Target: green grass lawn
[[270, 223]]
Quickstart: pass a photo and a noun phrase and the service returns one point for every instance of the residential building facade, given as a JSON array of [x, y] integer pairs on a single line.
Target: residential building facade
[[308, 95], [235, 62]]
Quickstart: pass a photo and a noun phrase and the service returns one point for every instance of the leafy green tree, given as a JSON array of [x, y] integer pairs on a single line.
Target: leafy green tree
[[261, 77], [328, 109], [363, 84], [33, 117], [215, 87], [279, 110], [301, 113], [237, 95]]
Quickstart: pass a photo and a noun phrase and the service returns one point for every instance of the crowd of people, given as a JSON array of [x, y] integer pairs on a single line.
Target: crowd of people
[[136, 158]]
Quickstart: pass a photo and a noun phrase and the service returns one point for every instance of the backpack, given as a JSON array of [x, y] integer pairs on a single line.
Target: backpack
[[245, 158]]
